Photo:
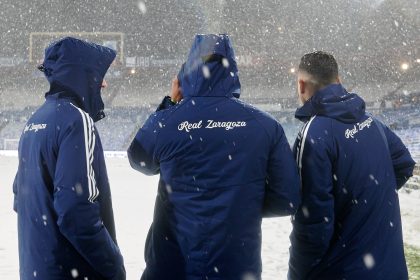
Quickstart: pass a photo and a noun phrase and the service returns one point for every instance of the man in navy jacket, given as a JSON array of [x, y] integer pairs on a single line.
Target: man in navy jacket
[[223, 165], [62, 195], [351, 166]]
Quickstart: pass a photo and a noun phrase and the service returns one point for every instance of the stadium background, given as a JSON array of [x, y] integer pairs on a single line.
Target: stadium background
[[375, 42]]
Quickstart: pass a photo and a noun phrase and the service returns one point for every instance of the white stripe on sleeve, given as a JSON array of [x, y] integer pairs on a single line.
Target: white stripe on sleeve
[[302, 145], [90, 138]]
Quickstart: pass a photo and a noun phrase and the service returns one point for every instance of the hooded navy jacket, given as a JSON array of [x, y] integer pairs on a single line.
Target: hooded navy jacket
[[62, 195], [351, 165], [223, 165]]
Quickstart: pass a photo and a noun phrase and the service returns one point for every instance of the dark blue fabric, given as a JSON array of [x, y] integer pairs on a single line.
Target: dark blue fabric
[[334, 102], [216, 184], [70, 68], [62, 195], [223, 80], [349, 224]]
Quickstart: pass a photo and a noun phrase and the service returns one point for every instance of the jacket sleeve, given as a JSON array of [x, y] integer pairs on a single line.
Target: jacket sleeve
[[75, 200], [401, 158], [165, 104], [313, 223], [282, 192], [141, 152]]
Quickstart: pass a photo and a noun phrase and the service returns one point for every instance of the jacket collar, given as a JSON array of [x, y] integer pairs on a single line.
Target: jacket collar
[[335, 102]]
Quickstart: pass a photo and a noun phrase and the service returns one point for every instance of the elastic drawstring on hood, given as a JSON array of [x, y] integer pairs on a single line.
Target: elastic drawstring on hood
[[76, 69], [335, 102], [210, 69]]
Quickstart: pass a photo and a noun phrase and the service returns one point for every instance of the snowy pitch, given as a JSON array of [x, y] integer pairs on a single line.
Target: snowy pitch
[[133, 200]]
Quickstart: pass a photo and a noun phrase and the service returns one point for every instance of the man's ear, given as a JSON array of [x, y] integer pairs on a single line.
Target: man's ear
[[301, 86], [338, 80]]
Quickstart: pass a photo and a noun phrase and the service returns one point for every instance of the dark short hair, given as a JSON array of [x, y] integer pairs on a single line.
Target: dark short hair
[[321, 66]]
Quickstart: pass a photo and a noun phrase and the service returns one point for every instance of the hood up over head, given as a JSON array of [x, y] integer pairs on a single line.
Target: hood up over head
[[76, 69], [210, 69]]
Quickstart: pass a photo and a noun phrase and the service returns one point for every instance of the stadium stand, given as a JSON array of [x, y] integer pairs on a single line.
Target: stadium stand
[[268, 46], [124, 118]]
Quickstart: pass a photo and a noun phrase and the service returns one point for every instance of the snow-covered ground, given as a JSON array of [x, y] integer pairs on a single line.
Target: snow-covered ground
[[133, 199]]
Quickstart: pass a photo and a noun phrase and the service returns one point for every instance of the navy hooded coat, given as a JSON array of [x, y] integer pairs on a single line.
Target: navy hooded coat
[[223, 166], [351, 165], [62, 195]]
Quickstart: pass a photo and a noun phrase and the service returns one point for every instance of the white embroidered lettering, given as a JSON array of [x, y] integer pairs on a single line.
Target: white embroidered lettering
[[226, 125], [349, 133], [34, 127], [188, 126]]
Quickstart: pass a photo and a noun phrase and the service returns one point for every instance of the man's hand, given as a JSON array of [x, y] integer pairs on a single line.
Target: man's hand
[[176, 93]]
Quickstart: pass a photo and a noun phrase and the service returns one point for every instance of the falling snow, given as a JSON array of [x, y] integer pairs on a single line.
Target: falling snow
[[142, 7], [206, 72], [74, 273], [305, 212], [169, 189], [369, 261], [378, 55], [225, 62], [79, 189]]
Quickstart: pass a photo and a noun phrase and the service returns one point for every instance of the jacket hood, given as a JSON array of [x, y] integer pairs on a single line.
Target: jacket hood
[[335, 102], [76, 69], [210, 69]]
